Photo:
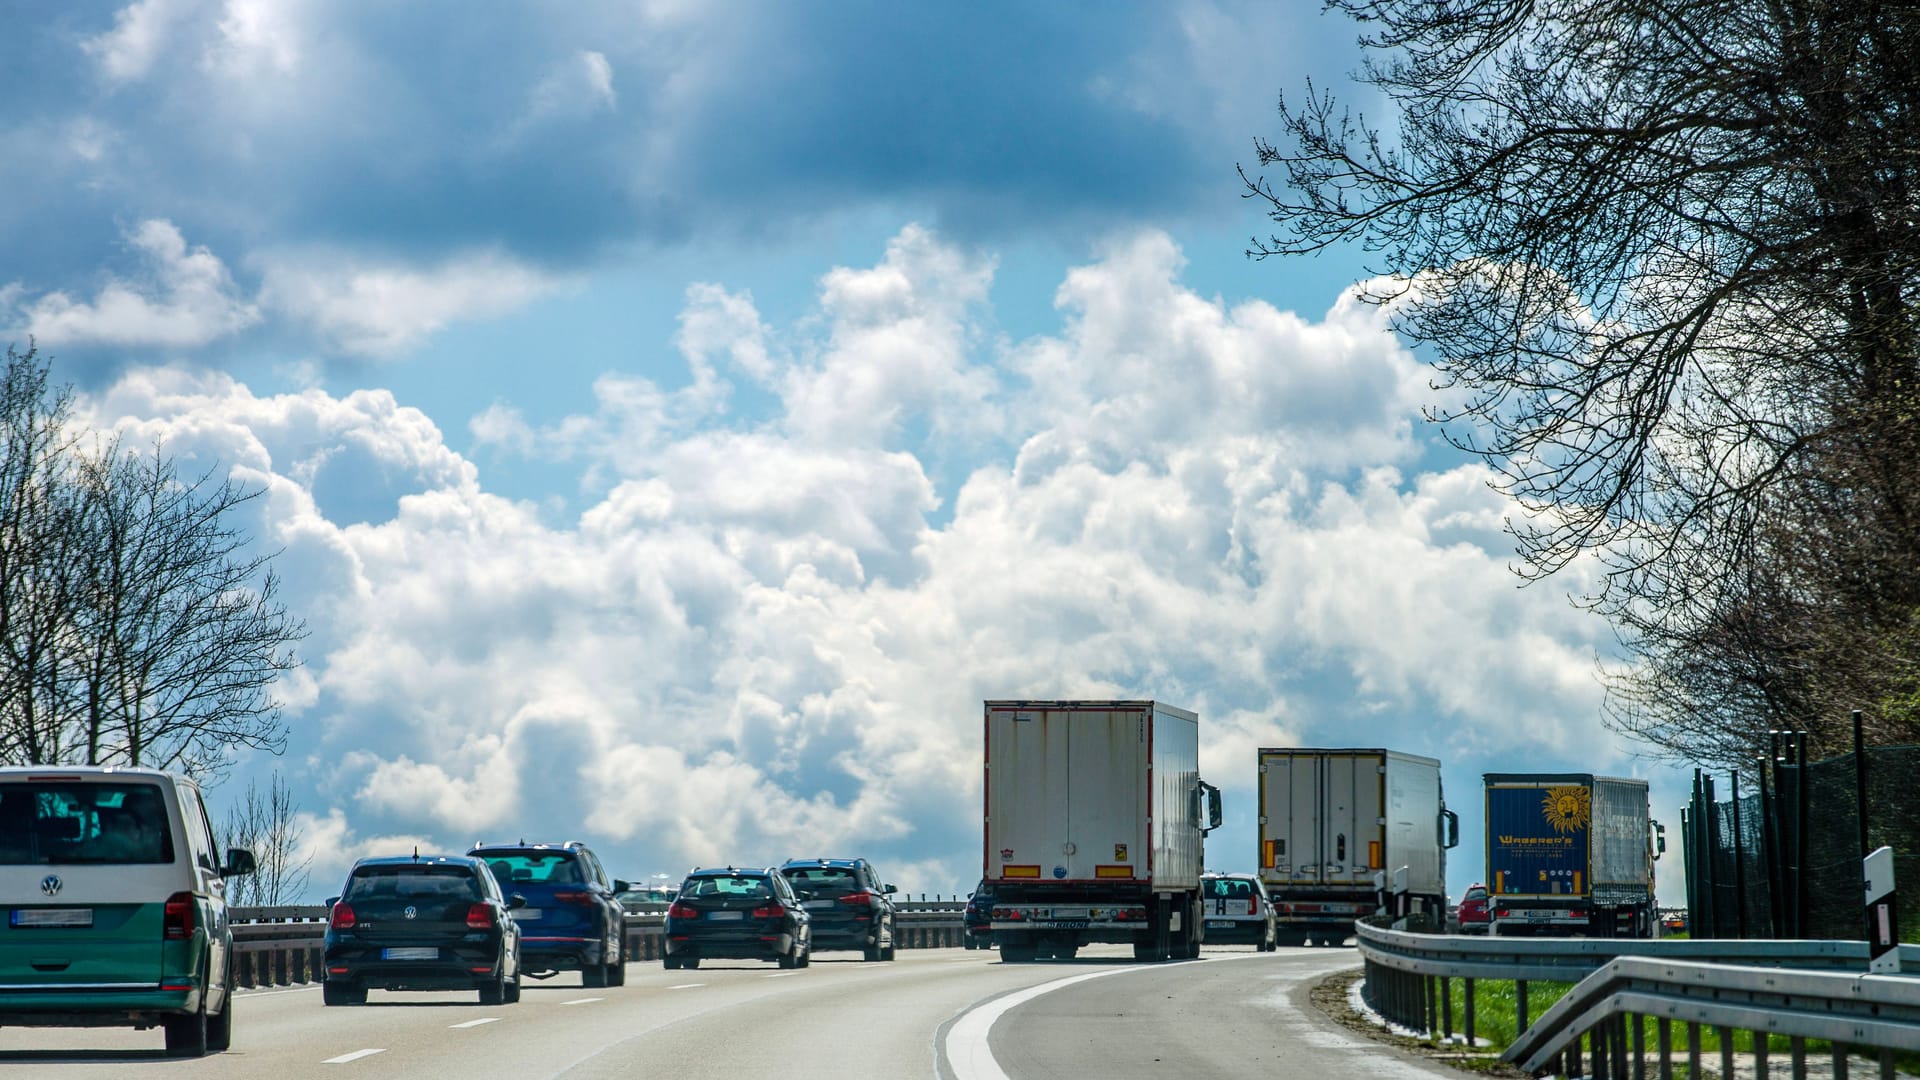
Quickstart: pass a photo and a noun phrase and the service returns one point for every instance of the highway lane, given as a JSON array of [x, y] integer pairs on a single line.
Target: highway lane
[[904, 1019]]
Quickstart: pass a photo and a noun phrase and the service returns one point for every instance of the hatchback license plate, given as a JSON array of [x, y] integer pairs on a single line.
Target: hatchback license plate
[[1220, 924], [725, 916], [410, 954], [53, 917]]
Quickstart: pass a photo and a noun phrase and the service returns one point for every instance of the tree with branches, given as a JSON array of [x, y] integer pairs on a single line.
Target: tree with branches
[[1662, 254], [267, 823], [137, 625]]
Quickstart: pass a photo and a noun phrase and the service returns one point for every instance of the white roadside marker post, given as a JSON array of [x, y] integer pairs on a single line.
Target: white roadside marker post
[[1883, 923]]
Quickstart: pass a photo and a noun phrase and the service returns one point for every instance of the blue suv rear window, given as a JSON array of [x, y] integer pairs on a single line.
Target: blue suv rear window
[[533, 867]]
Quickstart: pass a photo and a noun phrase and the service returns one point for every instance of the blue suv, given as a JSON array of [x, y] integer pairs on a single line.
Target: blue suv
[[572, 920], [849, 904]]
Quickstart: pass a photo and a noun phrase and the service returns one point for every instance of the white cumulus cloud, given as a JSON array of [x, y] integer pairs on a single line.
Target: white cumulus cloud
[[183, 297]]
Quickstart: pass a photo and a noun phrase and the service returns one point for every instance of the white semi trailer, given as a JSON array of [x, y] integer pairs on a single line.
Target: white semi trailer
[[1348, 832], [1095, 819]]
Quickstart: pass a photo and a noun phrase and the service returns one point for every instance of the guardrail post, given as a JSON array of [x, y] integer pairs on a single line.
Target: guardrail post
[[1726, 1050], [1521, 1006], [1574, 1068], [1429, 1007], [1797, 1047], [1886, 1063], [1470, 1012], [1663, 1037], [1446, 1007], [1760, 1049], [1617, 1038], [1840, 1061], [1639, 1042]]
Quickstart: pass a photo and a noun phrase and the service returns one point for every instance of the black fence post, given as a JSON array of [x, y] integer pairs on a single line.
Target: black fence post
[[1739, 861]]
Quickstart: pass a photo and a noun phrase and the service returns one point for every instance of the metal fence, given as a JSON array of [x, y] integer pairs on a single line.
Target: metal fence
[[280, 946], [1782, 858]]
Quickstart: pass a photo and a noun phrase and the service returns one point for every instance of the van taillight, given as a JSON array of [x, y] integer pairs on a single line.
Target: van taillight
[[178, 920], [342, 917], [1253, 905], [480, 917], [574, 897]]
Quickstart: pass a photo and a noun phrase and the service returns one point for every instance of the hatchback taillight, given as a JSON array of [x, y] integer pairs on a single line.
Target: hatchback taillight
[[683, 911], [480, 917], [771, 911], [342, 917], [177, 921], [862, 898]]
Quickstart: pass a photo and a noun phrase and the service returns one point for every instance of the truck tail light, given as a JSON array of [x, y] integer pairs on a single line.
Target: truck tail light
[[177, 920], [480, 917], [341, 918]]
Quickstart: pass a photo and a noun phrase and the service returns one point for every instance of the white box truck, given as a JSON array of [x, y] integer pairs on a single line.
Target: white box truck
[[1570, 854], [1349, 832], [1095, 817]]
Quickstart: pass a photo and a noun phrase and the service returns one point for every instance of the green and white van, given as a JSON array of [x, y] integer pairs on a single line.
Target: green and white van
[[113, 905]]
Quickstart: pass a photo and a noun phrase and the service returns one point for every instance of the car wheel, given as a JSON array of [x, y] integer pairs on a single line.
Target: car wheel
[[593, 975], [806, 958], [690, 962], [791, 958], [220, 1027], [671, 963], [187, 1035], [617, 974], [871, 954], [512, 993], [889, 956], [494, 993]]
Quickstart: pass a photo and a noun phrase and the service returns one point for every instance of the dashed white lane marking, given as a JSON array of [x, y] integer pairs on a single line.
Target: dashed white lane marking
[[779, 974], [686, 986], [582, 1001], [270, 993], [355, 1056], [477, 1023]]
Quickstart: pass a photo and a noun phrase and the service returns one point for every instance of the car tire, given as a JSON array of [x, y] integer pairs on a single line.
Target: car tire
[[617, 974], [790, 959], [889, 955], [220, 1028], [186, 1036], [339, 993], [806, 958], [494, 993], [511, 996], [671, 963], [593, 975], [690, 963], [871, 954]]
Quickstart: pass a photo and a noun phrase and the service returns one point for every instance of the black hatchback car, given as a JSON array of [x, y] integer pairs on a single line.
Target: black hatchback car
[[850, 906], [421, 922], [736, 914], [978, 921], [572, 920]]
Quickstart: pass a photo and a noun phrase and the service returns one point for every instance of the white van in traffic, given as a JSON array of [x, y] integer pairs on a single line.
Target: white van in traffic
[[113, 904]]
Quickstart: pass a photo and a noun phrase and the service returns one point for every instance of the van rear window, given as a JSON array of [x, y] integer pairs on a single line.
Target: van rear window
[[68, 822]]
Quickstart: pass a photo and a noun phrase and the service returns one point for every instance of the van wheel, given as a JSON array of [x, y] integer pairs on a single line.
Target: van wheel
[[187, 1035], [220, 1028], [511, 996]]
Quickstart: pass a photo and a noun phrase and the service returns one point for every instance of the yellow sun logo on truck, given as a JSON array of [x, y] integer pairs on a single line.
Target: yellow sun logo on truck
[[1567, 809]]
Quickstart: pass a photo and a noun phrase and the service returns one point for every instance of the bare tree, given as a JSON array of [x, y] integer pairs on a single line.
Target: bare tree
[[267, 824], [1663, 254], [137, 624]]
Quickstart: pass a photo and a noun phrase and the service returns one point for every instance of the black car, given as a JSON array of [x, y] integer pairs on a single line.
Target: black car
[[572, 920], [421, 922], [978, 933], [849, 905], [736, 914]]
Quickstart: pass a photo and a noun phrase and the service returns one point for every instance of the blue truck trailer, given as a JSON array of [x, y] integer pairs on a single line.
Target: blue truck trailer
[[1570, 854]]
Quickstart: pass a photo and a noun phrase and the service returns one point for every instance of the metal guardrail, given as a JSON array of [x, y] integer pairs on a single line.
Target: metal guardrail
[[280, 946], [1409, 977], [1846, 1010]]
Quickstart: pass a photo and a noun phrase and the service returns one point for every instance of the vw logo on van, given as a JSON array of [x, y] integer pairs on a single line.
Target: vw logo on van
[[50, 884], [410, 912]]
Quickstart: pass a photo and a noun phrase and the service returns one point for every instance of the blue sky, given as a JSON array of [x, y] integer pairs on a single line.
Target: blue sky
[[676, 418]]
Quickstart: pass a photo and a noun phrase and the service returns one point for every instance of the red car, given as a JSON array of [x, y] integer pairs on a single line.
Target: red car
[[1474, 916]]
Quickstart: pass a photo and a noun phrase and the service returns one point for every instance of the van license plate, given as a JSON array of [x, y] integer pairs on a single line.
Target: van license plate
[[525, 914], [56, 917], [410, 954], [1220, 924]]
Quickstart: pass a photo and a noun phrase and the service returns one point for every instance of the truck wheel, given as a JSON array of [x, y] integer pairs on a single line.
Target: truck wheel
[[1017, 952], [1147, 952]]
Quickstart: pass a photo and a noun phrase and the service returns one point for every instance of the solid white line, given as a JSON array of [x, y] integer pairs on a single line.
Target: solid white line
[[355, 1056], [966, 1041], [477, 1023], [686, 986], [270, 993], [581, 1001]]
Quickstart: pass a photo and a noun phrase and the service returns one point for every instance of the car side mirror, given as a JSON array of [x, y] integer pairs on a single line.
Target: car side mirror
[[516, 901], [1450, 830], [239, 861], [888, 889], [332, 900], [621, 886]]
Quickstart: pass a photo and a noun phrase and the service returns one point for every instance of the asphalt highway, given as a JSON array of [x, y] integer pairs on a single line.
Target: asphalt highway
[[947, 1014]]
